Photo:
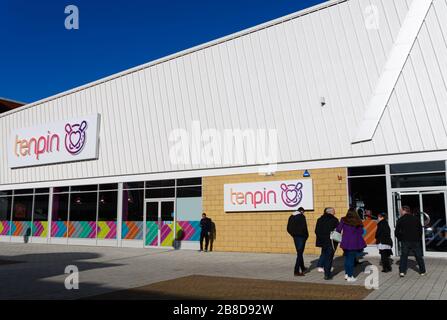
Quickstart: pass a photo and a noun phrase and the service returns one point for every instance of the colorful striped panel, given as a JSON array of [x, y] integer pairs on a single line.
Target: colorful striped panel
[[59, 229], [20, 228], [132, 230], [167, 234], [106, 230], [190, 230], [40, 229], [151, 238], [5, 228], [369, 232], [82, 229]]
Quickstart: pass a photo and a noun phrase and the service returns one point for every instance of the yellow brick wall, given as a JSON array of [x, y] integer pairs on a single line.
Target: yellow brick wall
[[266, 232]]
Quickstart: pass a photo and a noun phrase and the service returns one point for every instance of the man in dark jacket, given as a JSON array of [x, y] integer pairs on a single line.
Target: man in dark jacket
[[205, 226], [384, 242], [297, 228], [409, 232], [325, 225]]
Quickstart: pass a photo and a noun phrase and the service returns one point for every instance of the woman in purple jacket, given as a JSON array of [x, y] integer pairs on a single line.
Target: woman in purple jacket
[[352, 242]]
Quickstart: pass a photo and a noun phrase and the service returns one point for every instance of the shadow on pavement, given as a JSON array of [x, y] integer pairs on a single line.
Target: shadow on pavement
[[42, 275]]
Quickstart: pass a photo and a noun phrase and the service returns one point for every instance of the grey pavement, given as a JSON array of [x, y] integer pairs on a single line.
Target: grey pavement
[[40, 271]]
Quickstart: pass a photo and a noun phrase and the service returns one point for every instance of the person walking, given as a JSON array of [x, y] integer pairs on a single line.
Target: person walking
[[352, 242], [384, 242], [409, 232], [297, 228], [205, 231], [325, 225]]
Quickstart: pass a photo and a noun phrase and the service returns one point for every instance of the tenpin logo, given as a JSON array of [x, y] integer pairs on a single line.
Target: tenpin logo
[[268, 196], [292, 194], [75, 137]]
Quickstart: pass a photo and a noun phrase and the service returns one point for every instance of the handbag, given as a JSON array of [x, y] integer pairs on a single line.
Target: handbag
[[335, 236]]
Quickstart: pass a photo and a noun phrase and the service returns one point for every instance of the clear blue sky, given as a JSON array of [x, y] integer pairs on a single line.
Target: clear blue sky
[[39, 57]]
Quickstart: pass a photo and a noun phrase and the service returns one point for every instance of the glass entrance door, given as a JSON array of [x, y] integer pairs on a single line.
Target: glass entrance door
[[430, 207], [159, 223]]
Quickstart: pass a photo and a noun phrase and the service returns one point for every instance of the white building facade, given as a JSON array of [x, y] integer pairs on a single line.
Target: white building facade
[[358, 84]]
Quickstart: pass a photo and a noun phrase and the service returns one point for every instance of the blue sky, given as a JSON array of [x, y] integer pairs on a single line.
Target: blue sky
[[40, 58]]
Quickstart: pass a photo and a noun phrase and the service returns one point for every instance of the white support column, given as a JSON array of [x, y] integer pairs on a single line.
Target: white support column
[[50, 214], [119, 212]]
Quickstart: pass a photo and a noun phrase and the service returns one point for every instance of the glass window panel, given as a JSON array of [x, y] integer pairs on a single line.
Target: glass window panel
[[24, 191], [133, 205], [160, 193], [6, 193], [109, 186], [167, 211], [5, 208], [23, 208], [60, 207], [42, 190], [93, 187], [60, 189], [189, 182], [417, 167], [108, 202], [83, 206], [366, 171], [368, 195], [151, 211], [418, 180], [189, 192], [160, 183], [41, 207], [133, 185]]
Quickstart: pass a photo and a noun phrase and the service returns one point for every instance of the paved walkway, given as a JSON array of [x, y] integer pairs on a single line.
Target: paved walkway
[[39, 273]]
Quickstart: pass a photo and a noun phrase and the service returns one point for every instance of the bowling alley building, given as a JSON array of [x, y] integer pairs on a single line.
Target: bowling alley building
[[340, 105]]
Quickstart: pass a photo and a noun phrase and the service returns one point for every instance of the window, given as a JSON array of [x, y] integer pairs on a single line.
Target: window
[[434, 166], [160, 183], [23, 208], [160, 193], [366, 171], [108, 202], [189, 192], [41, 207], [133, 205], [83, 206], [189, 182], [60, 207], [368, 195], [418, 180], [5, 208]]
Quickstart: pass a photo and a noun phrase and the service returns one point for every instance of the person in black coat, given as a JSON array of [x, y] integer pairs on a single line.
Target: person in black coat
[[384, 242], [205, 232], [325, 225], [409, 232], [297, 228]]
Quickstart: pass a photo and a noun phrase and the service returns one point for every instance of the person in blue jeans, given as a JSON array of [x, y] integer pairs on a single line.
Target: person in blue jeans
[[325, 225], [352, 242], [297, 228]]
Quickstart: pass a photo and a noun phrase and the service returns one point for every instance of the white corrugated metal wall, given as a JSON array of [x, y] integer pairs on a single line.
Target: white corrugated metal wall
[[271, 78]]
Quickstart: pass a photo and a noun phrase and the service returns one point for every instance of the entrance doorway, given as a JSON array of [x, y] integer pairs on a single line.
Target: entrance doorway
[[159, 222], [430, 206]]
